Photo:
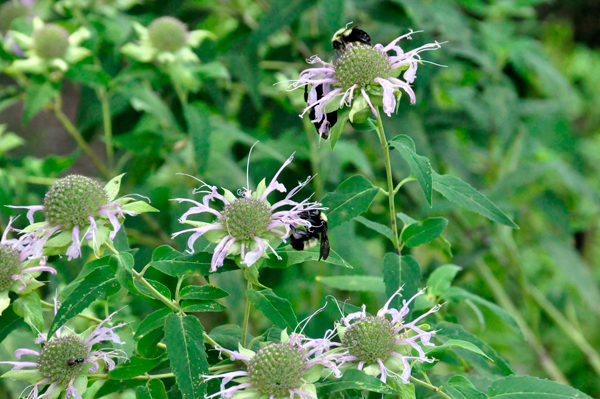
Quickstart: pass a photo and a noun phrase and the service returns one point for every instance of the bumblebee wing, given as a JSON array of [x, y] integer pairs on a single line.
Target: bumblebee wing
[[324, 252]]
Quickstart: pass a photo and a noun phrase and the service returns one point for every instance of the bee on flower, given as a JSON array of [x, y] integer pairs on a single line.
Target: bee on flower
[[248, 223], [65, 361]]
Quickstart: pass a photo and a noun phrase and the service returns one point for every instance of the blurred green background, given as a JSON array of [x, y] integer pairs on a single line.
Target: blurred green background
[[515, 113]]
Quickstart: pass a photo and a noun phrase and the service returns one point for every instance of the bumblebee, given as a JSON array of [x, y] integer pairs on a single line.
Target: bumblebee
[[331, 117], [73, 362], [349, 35], [307, 238]]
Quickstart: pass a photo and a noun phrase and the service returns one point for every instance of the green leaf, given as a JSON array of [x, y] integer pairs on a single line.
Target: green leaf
[[204, 292], [202, 306], [526, 387], [441, 278], [36, 97], [10, 321], [457, 293], [354, 379], [90, 75], [411, 280], [352, 198], [451, 343], [185, 349], [337, 129], [160, 287], [96, 285], [29, 307], [500, 366], [228, 336], [392, 272], [135, 366], [144, 99], [156, 388], [423, 232], [153, 321], [139, 207], [112, 386], [197, 119], [353, 283], [465, 387], [176, 264], [113, 186], [378, 227], [123, 264], [146, 346], [463, 194], [278, 310], [419, 165], [290, 256]]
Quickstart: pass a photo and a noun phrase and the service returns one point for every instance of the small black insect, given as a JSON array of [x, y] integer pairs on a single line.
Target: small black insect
[[72, 362], [306, 238], [331, 117], [349, 35]]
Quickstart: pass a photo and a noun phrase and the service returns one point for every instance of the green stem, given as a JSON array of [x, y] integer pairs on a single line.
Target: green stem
[[246, 316], [435, 389], [83, 316], [390, 180], [569, 329], [106, 118], [399, 186], [504, 300], [76, 134], [170, 304]]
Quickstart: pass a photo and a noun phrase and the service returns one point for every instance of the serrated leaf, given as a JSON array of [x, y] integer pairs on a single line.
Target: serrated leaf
[[96, 285], [228, 336], [134, 367], [526, 387], [441, 278], [185, 349], [174, 263], [423, 232], [354, 379], [202, 306], [36, 97], [419, 165], [465, 387], [457, 293], [153, 321], [29, 307], [378, 227], [290, 256], [123, 264], [205, 292], [352, 198], [452, 343], [160, 287], [463, 194], [353, 283], [278, 310]]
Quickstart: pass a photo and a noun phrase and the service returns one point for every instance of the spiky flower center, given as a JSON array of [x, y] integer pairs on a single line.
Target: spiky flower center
[[370, 339], [276, 369], [51, 41], [359, 65], [246, 218], [72, 200], [167, 34], [9, 265], [62, 359]]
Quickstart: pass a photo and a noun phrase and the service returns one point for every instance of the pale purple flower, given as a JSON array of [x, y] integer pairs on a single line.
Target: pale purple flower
[[248, 223], [344, 86], [406, 335], [63, 372]]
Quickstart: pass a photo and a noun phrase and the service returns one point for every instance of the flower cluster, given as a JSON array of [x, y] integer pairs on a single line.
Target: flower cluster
[[65, 361], [249, 223], [362, 77], [78, 210]]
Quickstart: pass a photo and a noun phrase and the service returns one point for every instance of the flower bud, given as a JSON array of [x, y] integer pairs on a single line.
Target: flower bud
[[51, 41], [167, 34], [10, 264]]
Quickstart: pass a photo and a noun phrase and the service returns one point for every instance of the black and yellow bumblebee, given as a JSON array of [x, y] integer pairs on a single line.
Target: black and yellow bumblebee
[[339, 41], [308, 237], [349, 35]]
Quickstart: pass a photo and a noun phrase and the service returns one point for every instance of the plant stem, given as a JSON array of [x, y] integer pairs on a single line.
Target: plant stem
[[83, 316], [390, 180], [170, 304], [107, 122], [435, 389], [399, 186], [76, 134], [504, 300], [246, 316], [569, 329]]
